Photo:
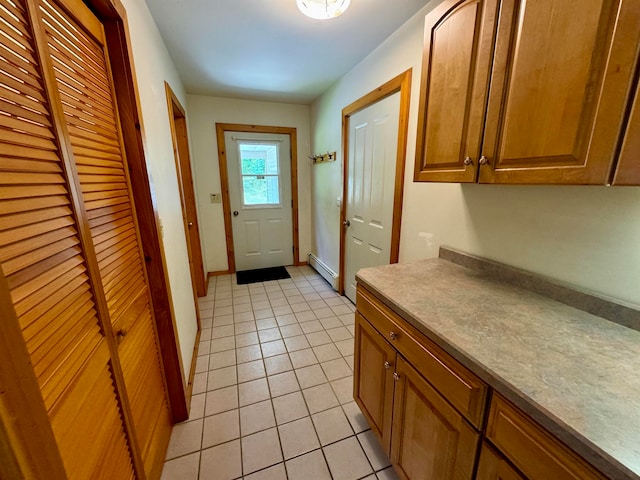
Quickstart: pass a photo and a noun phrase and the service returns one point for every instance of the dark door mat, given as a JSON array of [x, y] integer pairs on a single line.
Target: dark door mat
[[261, 275]]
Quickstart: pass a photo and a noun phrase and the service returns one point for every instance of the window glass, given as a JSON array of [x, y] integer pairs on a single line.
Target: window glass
[[260, 175]]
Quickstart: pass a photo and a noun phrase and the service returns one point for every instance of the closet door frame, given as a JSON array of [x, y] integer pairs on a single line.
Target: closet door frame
[[112, 15]]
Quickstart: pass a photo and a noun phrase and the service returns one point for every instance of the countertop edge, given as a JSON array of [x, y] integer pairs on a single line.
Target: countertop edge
[[601, 460]]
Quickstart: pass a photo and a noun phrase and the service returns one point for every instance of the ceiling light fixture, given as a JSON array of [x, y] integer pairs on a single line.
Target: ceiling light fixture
[[323, 9]]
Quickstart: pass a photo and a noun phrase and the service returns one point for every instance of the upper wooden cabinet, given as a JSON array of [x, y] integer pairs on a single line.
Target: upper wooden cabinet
[[554, 76], [628, 171], [458, 44]]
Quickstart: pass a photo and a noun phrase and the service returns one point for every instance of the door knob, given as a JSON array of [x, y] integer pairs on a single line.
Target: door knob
[[120, 334], [235, 213], [346, 223]]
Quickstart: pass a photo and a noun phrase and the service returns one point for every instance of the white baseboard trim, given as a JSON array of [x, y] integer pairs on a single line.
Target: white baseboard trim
[[324, 271]]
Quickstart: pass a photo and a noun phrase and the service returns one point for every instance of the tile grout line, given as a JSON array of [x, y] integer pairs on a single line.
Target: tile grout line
[[308, 290]]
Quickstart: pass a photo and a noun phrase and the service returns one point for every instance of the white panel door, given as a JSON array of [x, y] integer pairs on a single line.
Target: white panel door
[[373, 144], [259, 170]]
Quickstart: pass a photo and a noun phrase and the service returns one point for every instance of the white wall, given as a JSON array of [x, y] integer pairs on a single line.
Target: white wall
[[153, 67], [204, 113], [585, 236]]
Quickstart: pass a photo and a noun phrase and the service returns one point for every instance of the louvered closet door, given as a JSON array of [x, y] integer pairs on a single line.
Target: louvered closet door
[[44, 264], [79, 60]]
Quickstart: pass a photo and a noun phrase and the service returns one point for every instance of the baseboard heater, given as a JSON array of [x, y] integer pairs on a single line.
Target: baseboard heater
[[324, 271]]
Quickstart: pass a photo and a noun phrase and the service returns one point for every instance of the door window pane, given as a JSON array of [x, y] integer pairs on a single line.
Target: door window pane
[[260, 174]]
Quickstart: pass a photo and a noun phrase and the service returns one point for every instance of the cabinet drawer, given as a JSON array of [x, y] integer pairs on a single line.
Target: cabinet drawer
[[530, 448], [466, 392]]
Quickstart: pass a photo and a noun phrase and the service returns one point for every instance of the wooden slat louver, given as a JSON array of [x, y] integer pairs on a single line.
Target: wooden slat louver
[[44, 264], [81, 73]]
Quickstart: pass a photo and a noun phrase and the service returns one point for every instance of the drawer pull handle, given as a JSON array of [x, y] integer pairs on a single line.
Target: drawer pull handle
[[396, 377], [393, 335], [387, 365]]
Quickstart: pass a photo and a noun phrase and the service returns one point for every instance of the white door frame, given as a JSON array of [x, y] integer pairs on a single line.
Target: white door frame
[[402, 84], [221, 128]]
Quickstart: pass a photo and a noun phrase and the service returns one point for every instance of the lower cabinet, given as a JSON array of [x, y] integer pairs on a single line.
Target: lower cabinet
[[428, 410], [494, 467], [373, 379], [535, 453], [429, 438], [425, 437]]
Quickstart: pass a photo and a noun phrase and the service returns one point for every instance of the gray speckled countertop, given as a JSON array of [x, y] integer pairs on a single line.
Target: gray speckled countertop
[[576, 374]]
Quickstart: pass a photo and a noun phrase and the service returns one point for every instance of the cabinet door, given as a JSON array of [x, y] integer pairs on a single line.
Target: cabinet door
[[455, 70], [494, 467], [538, 455], [628, 171], [561, 74], [430, 439], [373, 379]]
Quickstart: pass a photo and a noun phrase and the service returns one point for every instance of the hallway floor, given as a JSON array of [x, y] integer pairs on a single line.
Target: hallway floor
[[272, 395]]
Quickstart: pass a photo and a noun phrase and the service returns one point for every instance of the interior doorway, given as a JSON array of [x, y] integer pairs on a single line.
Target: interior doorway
[[374, 152], [178, 124], [258, 176]]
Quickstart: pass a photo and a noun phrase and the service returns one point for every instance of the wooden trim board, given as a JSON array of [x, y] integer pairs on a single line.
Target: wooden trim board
[[179, 137]]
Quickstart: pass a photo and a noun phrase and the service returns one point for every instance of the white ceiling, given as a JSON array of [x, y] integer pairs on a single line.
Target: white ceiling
[[266, 49]]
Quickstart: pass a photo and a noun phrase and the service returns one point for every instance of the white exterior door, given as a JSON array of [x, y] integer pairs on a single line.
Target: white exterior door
[[373, 145], [259, 170]]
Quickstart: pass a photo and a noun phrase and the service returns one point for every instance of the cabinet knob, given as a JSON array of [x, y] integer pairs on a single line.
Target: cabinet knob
[[467, 161], [346, 223], [190, 224], [393, 335], [396, 377], [483, 160], [387, 365]]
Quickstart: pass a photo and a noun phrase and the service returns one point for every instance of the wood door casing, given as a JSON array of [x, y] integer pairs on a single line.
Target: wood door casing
[[458, 43], [77, 50], [628, 168], [429, 438], [373, 379], [179, 136], [493, 466], [43, 257], [559, 84]]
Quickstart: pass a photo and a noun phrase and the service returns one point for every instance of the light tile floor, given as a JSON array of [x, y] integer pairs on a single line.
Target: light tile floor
[[272, 394]]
